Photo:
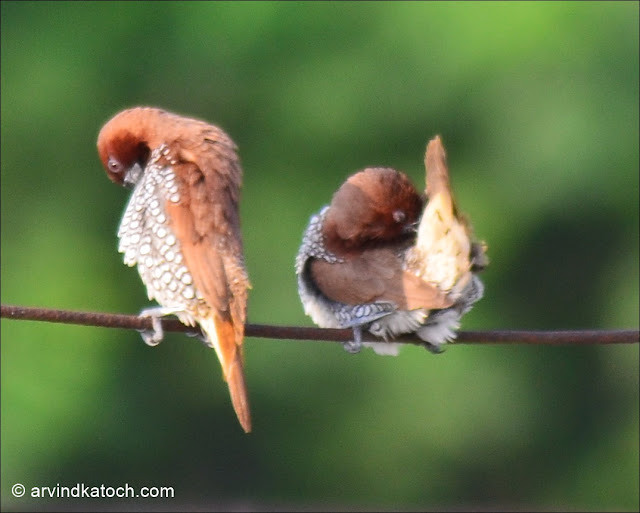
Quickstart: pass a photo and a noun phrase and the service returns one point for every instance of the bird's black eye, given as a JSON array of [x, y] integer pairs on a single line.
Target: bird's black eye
[[115, 166]]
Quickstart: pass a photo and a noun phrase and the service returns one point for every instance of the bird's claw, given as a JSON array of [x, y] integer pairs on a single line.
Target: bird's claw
[[354, 346], [434, 348], [155, 335], [200, 336]]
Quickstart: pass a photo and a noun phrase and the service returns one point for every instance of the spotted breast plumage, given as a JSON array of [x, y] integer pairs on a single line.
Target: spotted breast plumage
[[147, 240]]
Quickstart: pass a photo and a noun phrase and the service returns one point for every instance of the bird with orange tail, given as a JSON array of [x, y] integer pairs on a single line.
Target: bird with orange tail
[[181, 228], [381, 257]]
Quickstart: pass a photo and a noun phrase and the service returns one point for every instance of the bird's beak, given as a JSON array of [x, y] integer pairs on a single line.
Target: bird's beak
[[411, 228], [132, 176]]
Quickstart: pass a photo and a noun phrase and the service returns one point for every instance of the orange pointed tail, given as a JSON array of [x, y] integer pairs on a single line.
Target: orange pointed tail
[[221, 333]]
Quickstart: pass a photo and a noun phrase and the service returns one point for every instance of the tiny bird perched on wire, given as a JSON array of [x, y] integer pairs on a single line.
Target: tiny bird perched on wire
[[181, 228], [379, 258]]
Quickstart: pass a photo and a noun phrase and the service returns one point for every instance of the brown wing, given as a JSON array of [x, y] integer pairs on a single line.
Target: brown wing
[[376, 275], [206, 222], [216, 207]]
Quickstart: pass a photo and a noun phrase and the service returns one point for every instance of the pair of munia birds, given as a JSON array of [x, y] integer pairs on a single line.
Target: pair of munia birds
[[380, 257]]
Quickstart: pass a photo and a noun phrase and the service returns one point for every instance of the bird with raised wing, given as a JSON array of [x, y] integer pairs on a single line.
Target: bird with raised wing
[[384, 258]]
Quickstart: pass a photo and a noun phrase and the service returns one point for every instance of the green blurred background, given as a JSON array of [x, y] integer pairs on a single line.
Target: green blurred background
[[537, 104]]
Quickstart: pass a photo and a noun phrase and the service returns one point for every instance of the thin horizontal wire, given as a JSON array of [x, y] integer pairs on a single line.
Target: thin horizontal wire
[[109, 320]]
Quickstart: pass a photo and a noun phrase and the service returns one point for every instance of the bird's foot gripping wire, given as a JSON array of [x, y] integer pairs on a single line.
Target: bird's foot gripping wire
[[155, 335], [433, 348], [354, 346]]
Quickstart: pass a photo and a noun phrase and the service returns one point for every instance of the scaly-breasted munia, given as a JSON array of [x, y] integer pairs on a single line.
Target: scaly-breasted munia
[[379, 258], [181, 228]]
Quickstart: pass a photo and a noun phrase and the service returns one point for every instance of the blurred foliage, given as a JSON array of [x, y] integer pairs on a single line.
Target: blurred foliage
[[537, 104]]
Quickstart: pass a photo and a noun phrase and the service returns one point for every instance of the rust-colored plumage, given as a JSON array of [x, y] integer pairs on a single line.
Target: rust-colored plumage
[[381, 258], [370, 221], [182, 226]]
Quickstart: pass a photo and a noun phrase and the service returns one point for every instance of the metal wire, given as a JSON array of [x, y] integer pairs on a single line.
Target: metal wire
[[110, 320]]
